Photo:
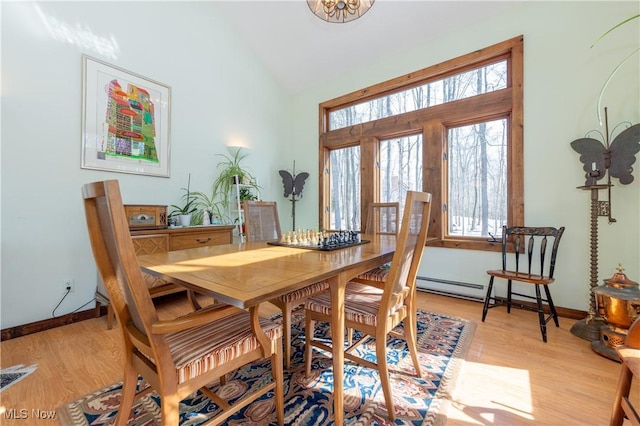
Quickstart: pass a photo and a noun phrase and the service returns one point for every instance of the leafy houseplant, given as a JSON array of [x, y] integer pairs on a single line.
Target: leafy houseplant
[[231, 173], [246, 194], [184, 211], [206, 204]]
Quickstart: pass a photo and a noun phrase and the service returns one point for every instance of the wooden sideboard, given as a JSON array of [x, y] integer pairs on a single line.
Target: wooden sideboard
[[159, 240]]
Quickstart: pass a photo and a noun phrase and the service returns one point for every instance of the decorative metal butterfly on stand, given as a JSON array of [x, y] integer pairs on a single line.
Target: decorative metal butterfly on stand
[[616, 158], [293, 185], [610, 160]]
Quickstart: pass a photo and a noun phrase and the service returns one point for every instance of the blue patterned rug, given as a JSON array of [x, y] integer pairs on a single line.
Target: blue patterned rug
[[442, 342]]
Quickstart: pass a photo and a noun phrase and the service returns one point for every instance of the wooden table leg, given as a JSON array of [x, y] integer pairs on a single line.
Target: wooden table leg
[[336, 288]]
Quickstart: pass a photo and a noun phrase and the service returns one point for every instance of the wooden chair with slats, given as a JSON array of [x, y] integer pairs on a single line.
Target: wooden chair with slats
[[261, 221], [177, 356], [157, 286], [629, 354], [382, 219], [263, 224], [537, 269], [376, 312]]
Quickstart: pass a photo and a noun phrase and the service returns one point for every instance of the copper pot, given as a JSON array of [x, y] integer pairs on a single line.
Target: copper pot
[[621, 299]]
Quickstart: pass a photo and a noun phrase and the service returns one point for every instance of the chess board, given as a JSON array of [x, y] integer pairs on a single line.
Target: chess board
[[320, 246], [314, 240]]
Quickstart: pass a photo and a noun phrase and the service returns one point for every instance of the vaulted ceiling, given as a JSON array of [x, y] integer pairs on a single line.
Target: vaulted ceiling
[[302, 50]]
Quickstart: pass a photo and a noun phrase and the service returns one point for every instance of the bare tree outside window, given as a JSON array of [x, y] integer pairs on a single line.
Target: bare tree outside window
[[477, 198], [400, 168], [453, 129], [449, 89], [345, 189]]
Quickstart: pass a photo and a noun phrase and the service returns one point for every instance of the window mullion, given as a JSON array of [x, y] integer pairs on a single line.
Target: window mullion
[[370, 173]]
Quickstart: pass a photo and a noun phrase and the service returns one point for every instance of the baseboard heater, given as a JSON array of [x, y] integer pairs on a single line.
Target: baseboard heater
[[452, 292]]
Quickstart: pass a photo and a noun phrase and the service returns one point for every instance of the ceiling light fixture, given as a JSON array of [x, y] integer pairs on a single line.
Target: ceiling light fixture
[[339, 11]]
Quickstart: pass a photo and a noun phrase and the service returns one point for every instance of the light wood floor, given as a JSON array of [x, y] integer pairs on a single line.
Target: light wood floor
[[510, 378]]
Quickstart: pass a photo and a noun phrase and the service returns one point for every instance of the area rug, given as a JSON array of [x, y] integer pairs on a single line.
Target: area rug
[[12, 375], [443, 342]]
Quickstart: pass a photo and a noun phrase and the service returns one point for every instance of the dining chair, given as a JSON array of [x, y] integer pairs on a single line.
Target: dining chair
[[181, 355], [382, 219], [262, 224], [261, 221], [629, 354], [537, 270], [376, 312]]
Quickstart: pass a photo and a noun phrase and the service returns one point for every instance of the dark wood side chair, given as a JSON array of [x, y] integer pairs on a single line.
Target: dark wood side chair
[[175, 356], [536, 269], [629, 354], [382, 219], [376, 312], [263, 224]]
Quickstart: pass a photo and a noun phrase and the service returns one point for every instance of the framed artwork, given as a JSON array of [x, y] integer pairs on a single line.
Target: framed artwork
[[125, 121]]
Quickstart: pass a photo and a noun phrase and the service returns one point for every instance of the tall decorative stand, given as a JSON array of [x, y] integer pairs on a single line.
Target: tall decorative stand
[[603, 161], [589, 328], [293, 185]]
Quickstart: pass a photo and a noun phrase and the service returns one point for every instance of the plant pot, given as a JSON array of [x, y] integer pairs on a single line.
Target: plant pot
[[185, 219]]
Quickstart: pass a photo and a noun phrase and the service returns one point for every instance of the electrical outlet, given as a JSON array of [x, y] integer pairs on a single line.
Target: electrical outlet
[[68, 284]]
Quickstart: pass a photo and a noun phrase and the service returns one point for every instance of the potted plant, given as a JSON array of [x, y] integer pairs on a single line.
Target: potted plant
[[231, 173], [185, 211], [207, 204], [245, 194]]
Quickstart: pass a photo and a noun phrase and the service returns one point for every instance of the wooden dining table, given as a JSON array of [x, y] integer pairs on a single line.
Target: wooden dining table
[[248, 274]]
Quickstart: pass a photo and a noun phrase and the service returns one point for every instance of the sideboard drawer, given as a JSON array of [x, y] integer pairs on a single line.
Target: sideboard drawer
[[198, 239]]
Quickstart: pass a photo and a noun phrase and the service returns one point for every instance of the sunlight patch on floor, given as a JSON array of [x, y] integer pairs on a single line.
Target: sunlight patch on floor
[[486, 392]]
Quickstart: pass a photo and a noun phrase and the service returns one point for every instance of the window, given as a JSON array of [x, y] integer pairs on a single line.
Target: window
[[454, 130], [449, 89], [477, 175], [400, 168], [345, 185]]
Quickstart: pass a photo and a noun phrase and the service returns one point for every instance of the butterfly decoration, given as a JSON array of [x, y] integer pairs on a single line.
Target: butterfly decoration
[[293, 184], [617, 157]]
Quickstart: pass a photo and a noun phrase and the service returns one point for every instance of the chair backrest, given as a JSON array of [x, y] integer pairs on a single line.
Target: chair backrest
[[116, 260], [383, 218], [261, 222], [532, 242], [410, 245], [633, 336]]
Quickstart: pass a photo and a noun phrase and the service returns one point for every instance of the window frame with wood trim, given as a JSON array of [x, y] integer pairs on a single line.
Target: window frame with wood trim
[[433, 122]]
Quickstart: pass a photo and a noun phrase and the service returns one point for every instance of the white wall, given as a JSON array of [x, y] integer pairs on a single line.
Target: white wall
[[220, 94], [562, 77]]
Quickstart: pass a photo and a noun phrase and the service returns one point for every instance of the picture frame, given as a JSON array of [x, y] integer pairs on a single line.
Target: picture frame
[[125, 121]]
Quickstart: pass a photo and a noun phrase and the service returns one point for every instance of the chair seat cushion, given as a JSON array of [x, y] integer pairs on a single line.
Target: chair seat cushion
[[361, 303], [304, 293], [378, 274], [203, 348]]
